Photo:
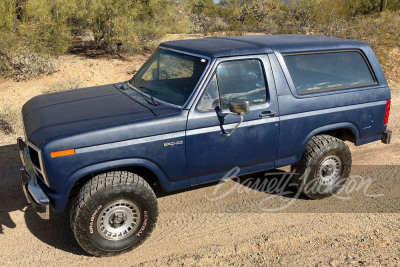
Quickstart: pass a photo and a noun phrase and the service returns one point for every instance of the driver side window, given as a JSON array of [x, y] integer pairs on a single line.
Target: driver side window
[[240, 79]]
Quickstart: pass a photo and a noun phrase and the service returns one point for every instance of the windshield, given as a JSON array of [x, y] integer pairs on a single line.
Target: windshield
[[169, 76]]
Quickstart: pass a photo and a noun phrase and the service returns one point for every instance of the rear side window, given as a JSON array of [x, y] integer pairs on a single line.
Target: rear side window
[[328, 71]]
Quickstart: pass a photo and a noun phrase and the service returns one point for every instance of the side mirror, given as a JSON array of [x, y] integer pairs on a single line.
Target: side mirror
[[239, 106], [236, 107]]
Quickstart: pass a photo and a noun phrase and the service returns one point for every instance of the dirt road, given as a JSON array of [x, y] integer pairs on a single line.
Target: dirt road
[[246, 227]]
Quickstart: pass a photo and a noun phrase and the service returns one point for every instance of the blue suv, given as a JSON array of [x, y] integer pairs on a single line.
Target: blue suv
[[195, 110]]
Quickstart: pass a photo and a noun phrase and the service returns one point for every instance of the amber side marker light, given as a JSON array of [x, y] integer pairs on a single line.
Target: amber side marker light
[[63, 153]]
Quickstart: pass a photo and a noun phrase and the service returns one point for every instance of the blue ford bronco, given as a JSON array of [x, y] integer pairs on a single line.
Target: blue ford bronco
[[195, 110]]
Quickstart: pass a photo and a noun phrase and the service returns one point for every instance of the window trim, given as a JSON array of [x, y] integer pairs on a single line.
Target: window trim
[[214, 72], [328, 89]]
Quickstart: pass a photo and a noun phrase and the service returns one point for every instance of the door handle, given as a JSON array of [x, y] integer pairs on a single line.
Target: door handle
[[267, 114]]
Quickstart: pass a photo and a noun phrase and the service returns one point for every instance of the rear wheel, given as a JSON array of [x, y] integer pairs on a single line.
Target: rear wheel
[[113, 213], [324, 167]]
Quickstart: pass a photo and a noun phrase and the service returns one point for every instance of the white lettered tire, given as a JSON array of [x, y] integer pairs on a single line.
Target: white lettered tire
[[113, 213]]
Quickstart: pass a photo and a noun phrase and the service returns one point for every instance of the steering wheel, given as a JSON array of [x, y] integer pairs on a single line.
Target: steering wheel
[[253, 76], [164, 75]]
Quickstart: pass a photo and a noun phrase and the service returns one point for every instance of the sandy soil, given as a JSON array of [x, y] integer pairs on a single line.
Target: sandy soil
[[192, 230]]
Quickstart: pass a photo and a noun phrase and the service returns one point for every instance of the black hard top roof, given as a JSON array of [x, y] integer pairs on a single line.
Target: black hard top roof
[[214, 47]]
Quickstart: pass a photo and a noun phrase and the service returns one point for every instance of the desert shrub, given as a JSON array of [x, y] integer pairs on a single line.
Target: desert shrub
[[30, 31], [10, 119], [8, 36], [64, 85], [393, 5], [8, 25], [204, 17], [51, 27], [267, 16], [26, 65], [202, 23], [326, 17], [355, 19], [235, 14], [130, 26], [381, 32], [44, 26]]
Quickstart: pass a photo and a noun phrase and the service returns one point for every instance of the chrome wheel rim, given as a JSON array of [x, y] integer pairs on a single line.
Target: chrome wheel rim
[[118, 220], [329, 170]]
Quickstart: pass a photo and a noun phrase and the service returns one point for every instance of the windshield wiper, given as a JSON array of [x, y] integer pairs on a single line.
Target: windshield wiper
[[148, 89], [151, 97], [153, 102]]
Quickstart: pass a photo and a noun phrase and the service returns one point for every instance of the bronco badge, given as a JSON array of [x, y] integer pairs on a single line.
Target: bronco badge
[[173, 143]]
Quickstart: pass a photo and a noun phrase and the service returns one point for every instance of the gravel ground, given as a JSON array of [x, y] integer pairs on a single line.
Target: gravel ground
[[243, 229]]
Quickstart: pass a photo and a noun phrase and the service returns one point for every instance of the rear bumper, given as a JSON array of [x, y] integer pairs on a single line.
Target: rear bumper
[[33, 192], [386, 137]]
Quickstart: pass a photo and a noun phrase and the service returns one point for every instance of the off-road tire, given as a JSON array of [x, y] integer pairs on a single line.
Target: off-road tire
[[308, 178], [100, 197]]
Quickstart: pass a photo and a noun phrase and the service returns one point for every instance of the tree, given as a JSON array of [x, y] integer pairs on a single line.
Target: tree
[[383, 5]]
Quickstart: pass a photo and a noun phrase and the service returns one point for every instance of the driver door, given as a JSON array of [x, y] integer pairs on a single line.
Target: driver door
[[253, 146]]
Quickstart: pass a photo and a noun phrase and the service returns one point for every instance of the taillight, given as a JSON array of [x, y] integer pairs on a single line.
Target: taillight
[[387, 112]]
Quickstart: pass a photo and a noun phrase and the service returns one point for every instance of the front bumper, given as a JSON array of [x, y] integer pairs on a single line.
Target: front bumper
[[32, 190]]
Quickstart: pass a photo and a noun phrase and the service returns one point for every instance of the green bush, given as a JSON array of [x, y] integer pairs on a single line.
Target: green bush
[[30, 30], [44, 26], [203, 17], [8, 35], [131, 26]]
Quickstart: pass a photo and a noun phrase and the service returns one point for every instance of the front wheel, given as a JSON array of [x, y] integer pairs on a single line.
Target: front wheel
[[113, 213], [324, 167]]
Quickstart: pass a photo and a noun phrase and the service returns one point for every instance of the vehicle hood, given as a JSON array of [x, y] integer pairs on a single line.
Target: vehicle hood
[[80, 110]]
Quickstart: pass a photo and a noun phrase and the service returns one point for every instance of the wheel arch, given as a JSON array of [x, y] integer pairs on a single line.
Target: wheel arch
[[344, 131], [152, 173]]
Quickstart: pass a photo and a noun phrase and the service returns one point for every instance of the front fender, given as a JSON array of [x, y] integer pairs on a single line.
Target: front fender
[[59, 200]]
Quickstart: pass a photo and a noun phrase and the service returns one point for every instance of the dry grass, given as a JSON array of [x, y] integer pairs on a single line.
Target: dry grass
[[391, 67], [74, 71], [27, 65], [63, 85], [10, 119]]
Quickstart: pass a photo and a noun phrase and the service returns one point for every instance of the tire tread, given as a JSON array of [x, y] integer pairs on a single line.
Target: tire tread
[[311, 152], [89, 192]]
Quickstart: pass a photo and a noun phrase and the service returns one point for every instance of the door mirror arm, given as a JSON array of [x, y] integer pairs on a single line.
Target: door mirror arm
[[226, 134], [238, 108]]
